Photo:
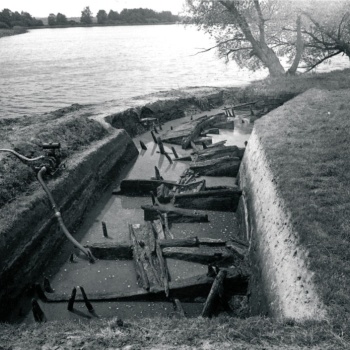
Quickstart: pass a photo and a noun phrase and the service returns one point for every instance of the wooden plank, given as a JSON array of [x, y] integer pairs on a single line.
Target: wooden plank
[[140, 186], [236, 282], [139, 267], [228, 125], [184, 242], [151, 212], [225, 166], [111, 250], [202, 254], [164, 273], [233, 151], [221, 200]]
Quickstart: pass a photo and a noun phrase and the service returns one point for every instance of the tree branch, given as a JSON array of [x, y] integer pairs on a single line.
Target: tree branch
[[261, 21], [322, 60]]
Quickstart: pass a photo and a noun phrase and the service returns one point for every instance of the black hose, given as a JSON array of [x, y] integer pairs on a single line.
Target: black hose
[[86, 251], [22, 157]]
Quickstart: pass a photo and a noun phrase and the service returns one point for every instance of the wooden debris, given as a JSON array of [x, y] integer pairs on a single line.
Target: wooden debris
[[112, 250], [71, 300], [216, 292], [163, 269], [228, 124], [203, 140], [154, 137], [104, 229], [47, 286], [140, 270], [160, 145], [158, 229], [143, 146], [140, 186], [236, 282], [218, 152], [202, 254], [174, 152], [179, 307], [38, 314], [225, 166], [174, 214], [86, 300], [222, 200]]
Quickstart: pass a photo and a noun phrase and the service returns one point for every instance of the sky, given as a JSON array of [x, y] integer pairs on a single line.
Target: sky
[[73, 8]]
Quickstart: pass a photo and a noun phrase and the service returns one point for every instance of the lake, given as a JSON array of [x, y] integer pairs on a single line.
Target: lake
[[48, 69]]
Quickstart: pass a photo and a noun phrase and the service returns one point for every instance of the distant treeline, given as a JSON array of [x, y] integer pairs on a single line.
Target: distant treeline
[[135, 16], [9, 19], [126, 16]]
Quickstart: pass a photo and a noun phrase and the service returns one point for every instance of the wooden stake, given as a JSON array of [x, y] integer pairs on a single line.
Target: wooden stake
[[143, 146], [155, 129], [71, 258], [174, 152], [171, 128], [179, 308], [154, 137], [160, 145], [104, 229], [38, 314], [215, 292], [86, 300], [204, 145], [160, 125], [158, 177], [168, 157], [47, 286], [72, 299], [153, 198]]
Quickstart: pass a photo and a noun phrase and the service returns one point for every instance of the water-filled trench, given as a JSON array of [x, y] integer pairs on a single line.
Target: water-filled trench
[[117, 211]]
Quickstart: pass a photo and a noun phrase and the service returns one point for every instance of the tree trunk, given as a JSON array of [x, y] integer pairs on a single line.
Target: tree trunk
[[299, 49]]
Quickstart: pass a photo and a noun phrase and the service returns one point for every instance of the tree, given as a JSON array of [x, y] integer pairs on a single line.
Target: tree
[[102, 17], [86, 16], [251, 31], [327, 28], [61, 19], [51, 20], [113, 16]]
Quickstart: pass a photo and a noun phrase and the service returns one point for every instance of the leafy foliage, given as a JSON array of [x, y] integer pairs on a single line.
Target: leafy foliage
[[86, 16], [11, 19]]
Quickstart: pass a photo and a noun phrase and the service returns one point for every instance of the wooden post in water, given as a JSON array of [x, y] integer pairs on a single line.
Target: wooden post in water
[[168, 157], [143, 146], [174, 152], [72, 300], [104, 229], [215, 293], [47, 286], [158, 176], [38, 314], [160, 145], [86, 300], [179, 308], [154, 137]]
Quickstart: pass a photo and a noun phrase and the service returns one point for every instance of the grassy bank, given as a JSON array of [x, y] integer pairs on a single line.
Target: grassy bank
[[308, 147], [14, 31]]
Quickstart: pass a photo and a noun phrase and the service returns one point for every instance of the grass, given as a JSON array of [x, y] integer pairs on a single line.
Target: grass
[[308, 145], [25, 135], [159, 333], [13, 31]]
